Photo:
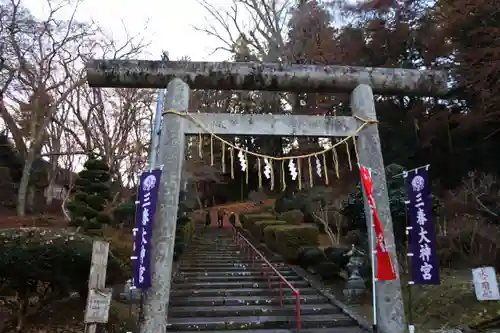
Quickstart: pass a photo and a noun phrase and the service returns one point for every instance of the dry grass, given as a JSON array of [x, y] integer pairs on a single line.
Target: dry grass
[[453, 303], [43, 220]]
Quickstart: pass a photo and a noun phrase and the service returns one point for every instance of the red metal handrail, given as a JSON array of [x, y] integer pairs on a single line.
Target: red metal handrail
[[238, 237]]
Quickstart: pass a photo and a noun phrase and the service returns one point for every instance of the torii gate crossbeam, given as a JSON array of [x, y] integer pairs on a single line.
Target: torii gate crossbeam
[[180, 77], [265, 76]]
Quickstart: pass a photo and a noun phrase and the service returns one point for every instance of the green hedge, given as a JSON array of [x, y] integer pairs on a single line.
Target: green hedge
[[270, 236], [293, 217], [267, 208], [248, 220], [289, 238], [56, 256], [259, 226], [183, 235]]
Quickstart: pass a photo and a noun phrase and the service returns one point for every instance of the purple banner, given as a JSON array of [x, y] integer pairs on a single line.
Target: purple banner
[[146, 207], [425, 269]]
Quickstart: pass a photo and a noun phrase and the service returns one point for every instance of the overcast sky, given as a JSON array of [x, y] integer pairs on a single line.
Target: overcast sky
[[166, 23]]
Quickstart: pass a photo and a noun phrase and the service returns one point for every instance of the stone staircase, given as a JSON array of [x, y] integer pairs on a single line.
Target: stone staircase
[[218, 289]]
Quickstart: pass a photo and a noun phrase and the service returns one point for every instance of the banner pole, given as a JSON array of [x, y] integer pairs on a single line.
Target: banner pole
[[373, 251], [409, 255]]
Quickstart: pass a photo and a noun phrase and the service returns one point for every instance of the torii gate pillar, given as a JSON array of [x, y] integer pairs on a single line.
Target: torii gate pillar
[[163, 238], [390, 306]]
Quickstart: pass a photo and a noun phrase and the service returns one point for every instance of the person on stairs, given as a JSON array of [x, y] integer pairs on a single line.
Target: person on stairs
[[232, 219], [208, 218], [220, 217]]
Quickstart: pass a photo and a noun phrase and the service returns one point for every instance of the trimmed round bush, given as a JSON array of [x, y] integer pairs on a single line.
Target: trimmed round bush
[[327, 270], [356, 237], [293, 217], [270, 237], [267, 209], [250, 219], [289, 238], [337, 255], [308, 256], [183, 220], [259, 226]]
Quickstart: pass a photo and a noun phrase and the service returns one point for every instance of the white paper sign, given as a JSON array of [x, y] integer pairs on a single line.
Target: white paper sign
[[98, 306], [485, 284]]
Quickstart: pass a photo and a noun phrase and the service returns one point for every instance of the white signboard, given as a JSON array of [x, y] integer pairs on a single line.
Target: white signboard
[[98, 306], [485, 284]]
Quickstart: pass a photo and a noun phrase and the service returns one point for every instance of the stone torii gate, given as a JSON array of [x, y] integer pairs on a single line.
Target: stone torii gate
[[180, 77]]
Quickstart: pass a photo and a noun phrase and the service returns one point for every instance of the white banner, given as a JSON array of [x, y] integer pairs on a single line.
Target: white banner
[[485, 284]]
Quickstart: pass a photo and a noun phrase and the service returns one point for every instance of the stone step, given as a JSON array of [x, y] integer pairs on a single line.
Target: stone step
[[217, 255], [258, 322], [237, 292], [215, 244], [234, 285], [225, 262], [223, 258], [353, 329], [251, 310], [214, 248], [244, 300], [215, 251], [202, 269], [240, 272], [234, 263], [220, 288], [220, 260], [232, 278], [190, 266]]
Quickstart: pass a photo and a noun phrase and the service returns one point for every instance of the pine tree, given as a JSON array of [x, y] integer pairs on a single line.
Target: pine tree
[[10, 158], [90, 195]]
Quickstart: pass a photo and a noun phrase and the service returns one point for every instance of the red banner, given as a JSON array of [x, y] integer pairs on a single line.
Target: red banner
[[385, 270]]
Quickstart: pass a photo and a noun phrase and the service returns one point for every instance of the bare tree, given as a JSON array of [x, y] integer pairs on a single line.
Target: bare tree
[[68, 163], [45, 56], [264, 34], [120, 127], [54, 147], [326, 208], [114, 123], [474, 188], [261, 38]]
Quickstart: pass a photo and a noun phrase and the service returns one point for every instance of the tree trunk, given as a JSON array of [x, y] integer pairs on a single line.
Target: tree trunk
[[48, 193], [24, 184]]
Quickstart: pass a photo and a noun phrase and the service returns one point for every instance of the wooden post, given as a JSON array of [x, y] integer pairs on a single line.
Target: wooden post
[[390, 307], [98, 296]]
